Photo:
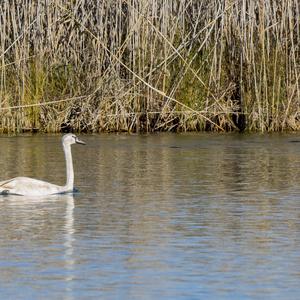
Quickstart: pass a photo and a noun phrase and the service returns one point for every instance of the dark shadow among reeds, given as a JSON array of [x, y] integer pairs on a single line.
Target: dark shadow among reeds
[[150, 65]]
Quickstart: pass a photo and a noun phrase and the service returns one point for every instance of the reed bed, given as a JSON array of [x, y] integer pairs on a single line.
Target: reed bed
[[149, 65]]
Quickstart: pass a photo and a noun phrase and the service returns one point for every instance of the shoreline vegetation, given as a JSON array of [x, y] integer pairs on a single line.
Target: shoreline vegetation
[[149, 65]]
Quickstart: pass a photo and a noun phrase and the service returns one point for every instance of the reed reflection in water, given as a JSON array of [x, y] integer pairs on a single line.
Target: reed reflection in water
[[188, 216]]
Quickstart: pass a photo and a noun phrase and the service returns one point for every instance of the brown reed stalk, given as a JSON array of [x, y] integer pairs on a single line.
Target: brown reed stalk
[[130, 65]]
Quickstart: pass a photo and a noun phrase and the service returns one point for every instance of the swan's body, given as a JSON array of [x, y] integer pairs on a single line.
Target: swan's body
[[33, 187]]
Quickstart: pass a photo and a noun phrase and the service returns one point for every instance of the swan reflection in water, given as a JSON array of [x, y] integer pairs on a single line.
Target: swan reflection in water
[[40, 231]]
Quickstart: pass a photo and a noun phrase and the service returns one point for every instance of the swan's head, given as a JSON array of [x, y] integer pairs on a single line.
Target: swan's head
[[70, 139]]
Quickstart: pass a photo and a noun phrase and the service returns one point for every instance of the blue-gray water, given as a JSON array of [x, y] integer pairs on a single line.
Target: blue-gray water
[[189, 216]]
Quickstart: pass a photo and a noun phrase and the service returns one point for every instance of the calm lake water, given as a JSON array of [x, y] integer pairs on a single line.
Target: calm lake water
[[187, 216]]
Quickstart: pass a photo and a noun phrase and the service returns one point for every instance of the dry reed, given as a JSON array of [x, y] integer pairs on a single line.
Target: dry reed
[[149, 65]]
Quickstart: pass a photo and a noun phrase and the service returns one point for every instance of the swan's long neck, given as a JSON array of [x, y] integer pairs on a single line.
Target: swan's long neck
[[69, 166]]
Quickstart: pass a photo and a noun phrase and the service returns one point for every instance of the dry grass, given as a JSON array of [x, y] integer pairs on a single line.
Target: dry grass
[[148, 65]]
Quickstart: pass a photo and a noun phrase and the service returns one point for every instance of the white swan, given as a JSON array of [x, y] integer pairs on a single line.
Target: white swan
[[32, 187]]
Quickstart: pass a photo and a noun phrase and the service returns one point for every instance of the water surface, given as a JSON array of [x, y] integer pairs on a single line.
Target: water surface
[[188, 216]]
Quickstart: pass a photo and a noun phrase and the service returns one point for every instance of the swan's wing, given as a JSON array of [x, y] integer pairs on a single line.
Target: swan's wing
[[29, 186], [6, 186]]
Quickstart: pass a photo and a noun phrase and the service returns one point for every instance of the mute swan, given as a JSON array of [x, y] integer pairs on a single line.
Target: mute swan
[[32, 187]]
